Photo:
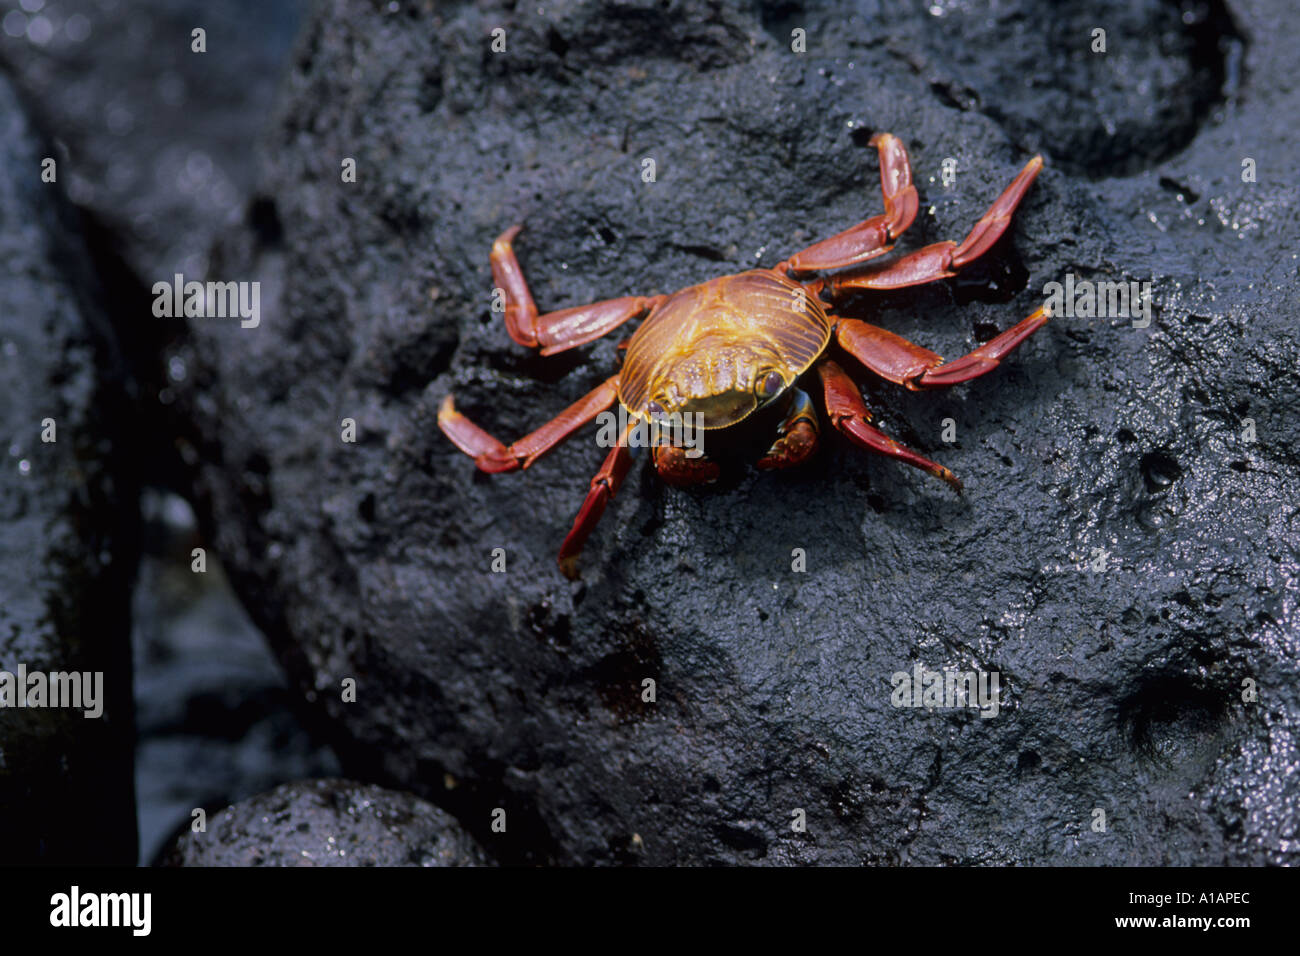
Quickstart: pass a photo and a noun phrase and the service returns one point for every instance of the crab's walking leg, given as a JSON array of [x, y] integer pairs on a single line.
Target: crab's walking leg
[[492, 456], [850, 415], [873, 236], [894, 358], [942, 259], [603, 487], [796, 435], [555, 331]]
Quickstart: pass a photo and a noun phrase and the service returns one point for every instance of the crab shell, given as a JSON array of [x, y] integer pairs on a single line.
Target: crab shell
[[711, 349]]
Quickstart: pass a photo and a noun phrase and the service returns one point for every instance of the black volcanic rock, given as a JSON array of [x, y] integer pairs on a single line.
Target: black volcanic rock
[[215, 720], [1125, 555], [68, 509], [328, 823], [154, 138], [154, 143]]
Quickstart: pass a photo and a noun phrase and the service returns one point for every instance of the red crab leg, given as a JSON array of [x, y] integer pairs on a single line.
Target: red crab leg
[[676, 468], [603, 487], [492, 456], [850, 415], [796, 435], [943, 259], [894, 358], [555, 331], [871, 237]]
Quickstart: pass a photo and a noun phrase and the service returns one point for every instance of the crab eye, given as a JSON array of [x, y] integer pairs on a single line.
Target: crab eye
[[655, 411], [769, 385]]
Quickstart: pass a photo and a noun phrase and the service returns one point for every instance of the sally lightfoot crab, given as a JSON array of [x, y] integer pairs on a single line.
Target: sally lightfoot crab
[[723, 349]]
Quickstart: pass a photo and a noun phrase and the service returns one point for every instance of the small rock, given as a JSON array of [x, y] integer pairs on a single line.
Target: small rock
[[329, 823]]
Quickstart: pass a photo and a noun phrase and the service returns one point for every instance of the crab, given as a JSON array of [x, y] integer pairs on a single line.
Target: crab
[[722, 350]]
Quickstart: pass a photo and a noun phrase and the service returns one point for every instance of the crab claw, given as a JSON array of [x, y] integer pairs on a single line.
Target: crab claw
[[676, 468]]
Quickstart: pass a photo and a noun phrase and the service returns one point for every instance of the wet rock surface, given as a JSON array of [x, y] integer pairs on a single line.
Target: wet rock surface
[[328, 823], [1125, 555], [1105, 88], [154, 138], [215, 721], [68, 513], [154, 144]]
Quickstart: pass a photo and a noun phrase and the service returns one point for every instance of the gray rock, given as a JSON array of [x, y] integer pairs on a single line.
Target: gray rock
[[69, 517], [154, 146], [215, 722], [328, 823], [1122, 688], [153, 138]]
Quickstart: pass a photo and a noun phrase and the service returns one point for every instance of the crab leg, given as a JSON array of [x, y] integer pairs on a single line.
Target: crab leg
[[871, 237], [603, 487], [850, 415], [555, 331], [676, 468], [943, 259], [894, 358], [492, 456], [796, 435]]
